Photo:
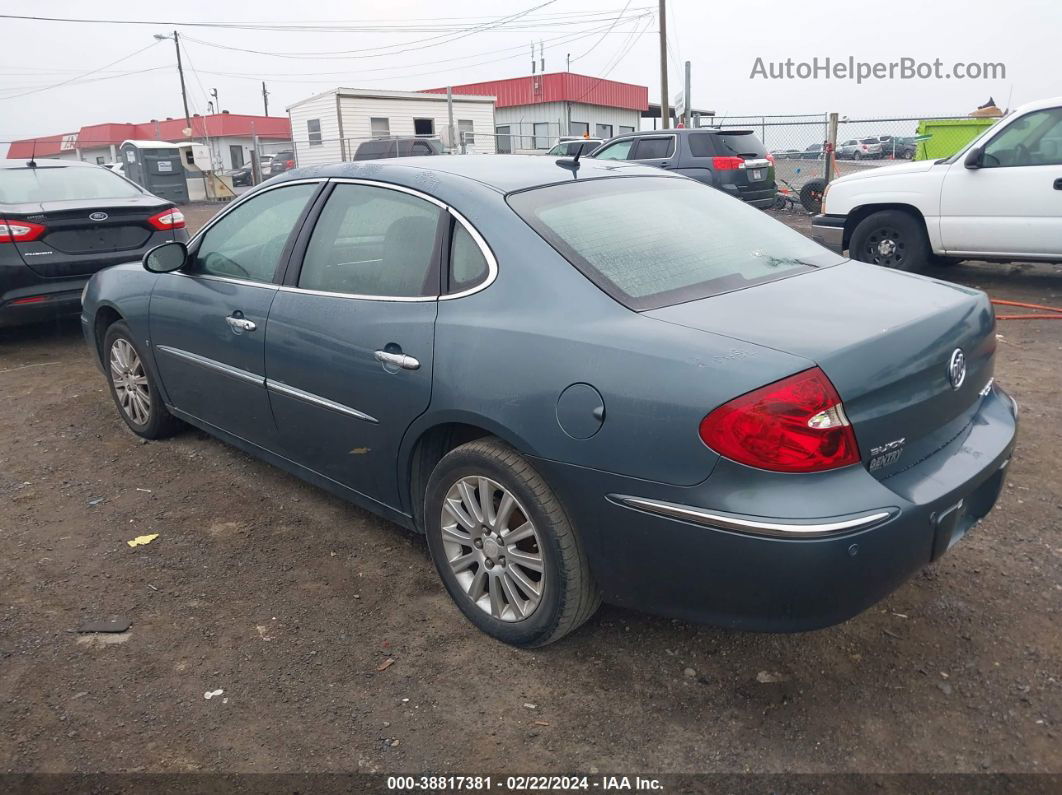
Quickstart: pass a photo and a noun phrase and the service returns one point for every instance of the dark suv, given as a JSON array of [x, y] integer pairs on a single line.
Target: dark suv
[[734, 161], [63, 220], [396, 147]]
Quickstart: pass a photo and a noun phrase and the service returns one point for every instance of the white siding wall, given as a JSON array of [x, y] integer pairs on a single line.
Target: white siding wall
[[90, 155], [521, 119], [322, 107], [401, 111]]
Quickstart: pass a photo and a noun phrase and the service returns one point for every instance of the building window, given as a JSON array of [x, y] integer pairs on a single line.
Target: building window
[[236, 155], [465, 132], [424, 126], [99, 160], [381, 128], [541, 131], [579, 128], [604, 130], [313, 131], [624, 129]]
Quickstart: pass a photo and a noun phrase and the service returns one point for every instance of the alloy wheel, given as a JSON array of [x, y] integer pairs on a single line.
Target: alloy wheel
[[130, 382], [493, 548]]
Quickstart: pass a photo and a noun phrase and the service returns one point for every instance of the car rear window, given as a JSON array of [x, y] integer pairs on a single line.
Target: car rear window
[[741, 142], [49, 184], [655, 241]]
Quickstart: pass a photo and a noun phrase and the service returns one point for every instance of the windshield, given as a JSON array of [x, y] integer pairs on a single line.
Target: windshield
[[49, 184], [655, 241]]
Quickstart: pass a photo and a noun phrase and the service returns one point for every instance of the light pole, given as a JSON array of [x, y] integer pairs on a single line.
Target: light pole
[[180, 71]]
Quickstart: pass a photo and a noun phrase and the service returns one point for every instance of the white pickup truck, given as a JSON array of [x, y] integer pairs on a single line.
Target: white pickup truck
[[999, 199]]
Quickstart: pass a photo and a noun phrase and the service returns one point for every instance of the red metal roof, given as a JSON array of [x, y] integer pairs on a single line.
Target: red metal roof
[[98, 135], [557, 87]]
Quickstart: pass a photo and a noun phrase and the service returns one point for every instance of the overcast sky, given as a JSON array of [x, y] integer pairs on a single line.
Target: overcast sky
[[722, 39]]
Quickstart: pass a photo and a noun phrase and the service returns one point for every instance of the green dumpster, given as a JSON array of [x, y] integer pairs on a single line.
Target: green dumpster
[[945, 137]]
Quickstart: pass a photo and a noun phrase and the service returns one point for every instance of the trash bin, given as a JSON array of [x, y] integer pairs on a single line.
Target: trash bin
[[947, 136], [156, 167]]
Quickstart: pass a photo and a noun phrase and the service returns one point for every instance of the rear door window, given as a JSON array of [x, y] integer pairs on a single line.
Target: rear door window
[[654, 148], [372, 241], [655, 241]]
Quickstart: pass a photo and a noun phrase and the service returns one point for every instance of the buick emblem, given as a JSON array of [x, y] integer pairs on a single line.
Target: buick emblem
[[98, 216], [957, 368]]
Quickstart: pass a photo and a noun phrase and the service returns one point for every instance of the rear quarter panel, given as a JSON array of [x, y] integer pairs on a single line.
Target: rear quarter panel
[[504, 355]]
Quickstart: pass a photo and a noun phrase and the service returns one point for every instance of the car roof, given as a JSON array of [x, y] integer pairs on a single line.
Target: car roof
[[46, 163], [503, 173]]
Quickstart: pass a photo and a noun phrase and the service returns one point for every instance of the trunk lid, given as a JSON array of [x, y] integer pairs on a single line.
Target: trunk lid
[[84, 235], [884, 338]]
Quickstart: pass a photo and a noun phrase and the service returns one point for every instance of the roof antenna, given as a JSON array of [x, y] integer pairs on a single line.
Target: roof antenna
[[33, 155], [572, 164]]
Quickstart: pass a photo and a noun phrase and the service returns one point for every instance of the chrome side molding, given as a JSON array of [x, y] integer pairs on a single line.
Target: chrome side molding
[[317, 400], [777, 529], [220, 367]]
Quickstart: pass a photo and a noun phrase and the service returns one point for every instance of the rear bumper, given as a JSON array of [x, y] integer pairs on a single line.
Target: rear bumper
[[828, 230], [42, 300], [741, 577]]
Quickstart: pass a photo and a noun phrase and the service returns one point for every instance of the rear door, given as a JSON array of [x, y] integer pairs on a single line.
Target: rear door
[[655, 150], [350, 335], [208, 321]]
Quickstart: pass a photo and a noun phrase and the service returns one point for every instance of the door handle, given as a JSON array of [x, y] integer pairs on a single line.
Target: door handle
[[1058, 184], [402, 360], [240, 324]]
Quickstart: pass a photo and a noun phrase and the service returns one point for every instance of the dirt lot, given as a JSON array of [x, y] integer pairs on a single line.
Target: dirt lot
[[291, 602]]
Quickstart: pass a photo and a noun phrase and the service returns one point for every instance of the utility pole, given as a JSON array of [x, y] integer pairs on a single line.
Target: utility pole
[[450, 114], [665, 111], [569, 62], [534, 63], [265, 98], [686, 98], [217, 102], [180, 71], [542, 57]]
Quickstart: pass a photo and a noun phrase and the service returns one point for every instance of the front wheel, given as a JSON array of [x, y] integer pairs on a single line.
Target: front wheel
[[133, 386], [504, 547], [892, 239]]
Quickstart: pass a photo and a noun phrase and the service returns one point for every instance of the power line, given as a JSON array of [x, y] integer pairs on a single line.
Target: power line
[[603, 35], [86, 74]]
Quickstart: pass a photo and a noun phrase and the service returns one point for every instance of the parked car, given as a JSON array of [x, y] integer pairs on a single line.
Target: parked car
[[734, 161], [576, 146], [860, 149], [813, 152], [116, 167], [999, 198], [281, 162], [242, 177], [624, 386], [785, 154], [397, 147], [63, 220], [897, 147]]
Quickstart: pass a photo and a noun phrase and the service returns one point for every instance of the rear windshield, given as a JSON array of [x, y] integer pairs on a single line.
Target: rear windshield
[[655, 241], [49, 184], [743, 143]]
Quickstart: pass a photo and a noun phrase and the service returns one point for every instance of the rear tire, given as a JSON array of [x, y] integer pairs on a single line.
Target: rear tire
[[504, 547], [891, 239], [133, 387]]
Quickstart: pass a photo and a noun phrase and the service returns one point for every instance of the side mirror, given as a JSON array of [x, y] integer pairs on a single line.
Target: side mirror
[[166, 258], [973, 157]]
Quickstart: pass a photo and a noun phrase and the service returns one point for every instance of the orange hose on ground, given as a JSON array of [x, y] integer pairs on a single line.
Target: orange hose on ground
[[1048, 312]]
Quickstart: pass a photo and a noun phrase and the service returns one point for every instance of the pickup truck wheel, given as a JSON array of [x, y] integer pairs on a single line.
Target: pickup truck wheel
[[892, 239]]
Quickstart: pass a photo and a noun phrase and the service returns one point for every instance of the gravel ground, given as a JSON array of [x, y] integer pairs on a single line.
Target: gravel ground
[[337, 650]]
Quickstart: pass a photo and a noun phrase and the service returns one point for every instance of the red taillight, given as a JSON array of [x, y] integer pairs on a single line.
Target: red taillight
[[793, 425], [727, 163], [770, 158], [33, 299], [20, 231], [289, 164], [168, 219]]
